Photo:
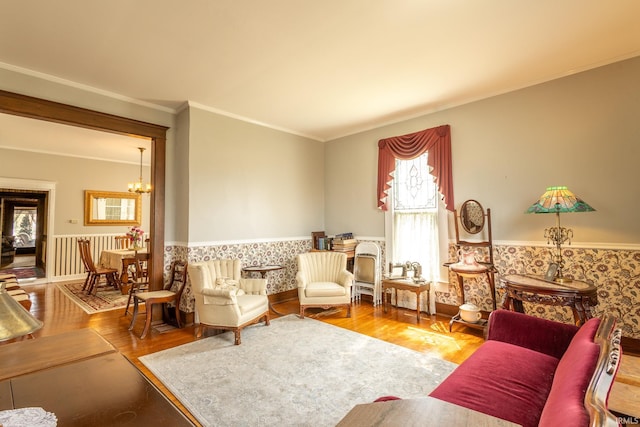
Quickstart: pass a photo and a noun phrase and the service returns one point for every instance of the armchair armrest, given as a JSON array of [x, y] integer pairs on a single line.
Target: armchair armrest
[[254, 286], [542, 335], [219, 296], [345, 278], [301, 279]]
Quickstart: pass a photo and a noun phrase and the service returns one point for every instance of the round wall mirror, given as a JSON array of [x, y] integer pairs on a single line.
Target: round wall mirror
[[472, 216]]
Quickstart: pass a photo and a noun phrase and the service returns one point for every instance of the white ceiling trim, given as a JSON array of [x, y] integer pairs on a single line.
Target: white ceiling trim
[[76, 85], [248, 120]]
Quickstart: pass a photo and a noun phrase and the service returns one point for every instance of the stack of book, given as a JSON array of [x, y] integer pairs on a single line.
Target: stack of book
[[347, 246]]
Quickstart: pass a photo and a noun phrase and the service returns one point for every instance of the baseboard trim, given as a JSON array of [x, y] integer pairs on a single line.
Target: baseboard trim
[[289, 295], [630, 346]]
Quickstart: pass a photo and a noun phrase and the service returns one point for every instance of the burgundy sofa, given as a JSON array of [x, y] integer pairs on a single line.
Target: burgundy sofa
[[536, 372]]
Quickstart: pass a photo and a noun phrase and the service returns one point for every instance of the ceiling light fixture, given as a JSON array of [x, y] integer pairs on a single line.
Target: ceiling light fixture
[[139, 187]]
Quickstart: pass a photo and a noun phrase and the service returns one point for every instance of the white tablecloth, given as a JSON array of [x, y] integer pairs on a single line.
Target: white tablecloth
[[113, 258]]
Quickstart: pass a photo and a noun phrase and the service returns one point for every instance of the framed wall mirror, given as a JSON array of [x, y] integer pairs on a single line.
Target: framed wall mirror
[[112, 208], [472, 217]]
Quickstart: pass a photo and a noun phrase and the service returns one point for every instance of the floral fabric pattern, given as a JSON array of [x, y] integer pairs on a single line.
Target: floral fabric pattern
[[615, 272]]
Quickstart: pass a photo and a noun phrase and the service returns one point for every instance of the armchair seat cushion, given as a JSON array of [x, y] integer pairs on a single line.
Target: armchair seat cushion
[[324, 289]]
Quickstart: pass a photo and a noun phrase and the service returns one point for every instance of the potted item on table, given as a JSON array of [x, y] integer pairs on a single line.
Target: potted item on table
[[136, 236]]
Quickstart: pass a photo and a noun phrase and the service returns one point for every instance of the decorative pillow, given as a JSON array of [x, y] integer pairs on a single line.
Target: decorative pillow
[[224, 283]]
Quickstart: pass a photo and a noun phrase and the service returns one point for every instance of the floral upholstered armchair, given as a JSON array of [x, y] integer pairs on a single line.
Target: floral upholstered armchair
[[224, 299]]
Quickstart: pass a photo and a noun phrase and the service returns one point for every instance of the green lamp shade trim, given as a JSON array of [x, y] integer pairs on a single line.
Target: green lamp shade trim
[[559, 199]]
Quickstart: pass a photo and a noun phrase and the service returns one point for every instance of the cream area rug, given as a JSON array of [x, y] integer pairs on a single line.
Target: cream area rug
[[102, 299], [295, 372]]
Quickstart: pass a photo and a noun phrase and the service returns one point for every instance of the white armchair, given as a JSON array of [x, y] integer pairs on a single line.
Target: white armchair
[[324, 281], [225, 300]]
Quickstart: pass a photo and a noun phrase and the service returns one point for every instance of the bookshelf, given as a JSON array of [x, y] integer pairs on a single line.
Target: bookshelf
[[340, 243]]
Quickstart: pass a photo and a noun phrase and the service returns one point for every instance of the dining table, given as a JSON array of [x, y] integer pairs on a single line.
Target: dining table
[[115, 258]]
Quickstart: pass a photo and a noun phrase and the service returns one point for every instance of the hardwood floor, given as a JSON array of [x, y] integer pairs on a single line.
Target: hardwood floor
[[399, 326]]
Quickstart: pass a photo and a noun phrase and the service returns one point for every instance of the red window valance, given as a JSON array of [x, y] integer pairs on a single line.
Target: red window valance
[[437, 141]]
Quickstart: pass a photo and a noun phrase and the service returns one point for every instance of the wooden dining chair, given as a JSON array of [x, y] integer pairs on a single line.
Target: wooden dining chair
[[95, 273], [83, 257], [171, 293], [122, 242], [137, 269]]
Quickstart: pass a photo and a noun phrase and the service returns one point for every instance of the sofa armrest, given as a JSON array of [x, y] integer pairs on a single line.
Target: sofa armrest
[[541, 335], [608, 337]]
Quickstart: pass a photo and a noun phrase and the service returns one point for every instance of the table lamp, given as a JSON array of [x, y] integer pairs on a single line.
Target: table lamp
[[556, 200]]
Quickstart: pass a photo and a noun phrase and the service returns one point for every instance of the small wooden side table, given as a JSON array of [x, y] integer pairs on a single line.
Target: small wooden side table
[[262, 269], [404, 285], [579, 296], [487, 269]]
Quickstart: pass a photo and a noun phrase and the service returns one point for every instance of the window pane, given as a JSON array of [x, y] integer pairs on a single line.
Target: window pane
[[414, 187], [24, 227]]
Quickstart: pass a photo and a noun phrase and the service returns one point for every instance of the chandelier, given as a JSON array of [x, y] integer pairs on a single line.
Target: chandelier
[[139, 187]]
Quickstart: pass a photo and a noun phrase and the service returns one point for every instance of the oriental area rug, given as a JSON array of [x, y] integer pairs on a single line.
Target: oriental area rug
[[102, 299], [24, 273], [295, 372]]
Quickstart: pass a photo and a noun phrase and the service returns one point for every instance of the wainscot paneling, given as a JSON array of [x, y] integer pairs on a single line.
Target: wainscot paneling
[[616, 273]]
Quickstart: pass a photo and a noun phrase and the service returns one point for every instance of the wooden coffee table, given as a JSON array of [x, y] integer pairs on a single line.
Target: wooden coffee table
[[84, 381], [427, 411], [404, 285]]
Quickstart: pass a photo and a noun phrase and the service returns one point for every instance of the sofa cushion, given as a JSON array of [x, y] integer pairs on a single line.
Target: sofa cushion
[[538, 334], [502, 380], [565, 404]]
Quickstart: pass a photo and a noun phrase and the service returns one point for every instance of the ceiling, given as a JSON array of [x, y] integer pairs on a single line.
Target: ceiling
[[321, 69]]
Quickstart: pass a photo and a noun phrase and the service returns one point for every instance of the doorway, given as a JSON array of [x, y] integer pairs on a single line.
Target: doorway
[[24, 221], [26, 106]]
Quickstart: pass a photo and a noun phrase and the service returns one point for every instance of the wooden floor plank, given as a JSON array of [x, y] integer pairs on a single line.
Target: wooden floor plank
[[398, 326]]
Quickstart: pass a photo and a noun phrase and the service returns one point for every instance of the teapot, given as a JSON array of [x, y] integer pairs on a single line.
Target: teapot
[[470, 313]]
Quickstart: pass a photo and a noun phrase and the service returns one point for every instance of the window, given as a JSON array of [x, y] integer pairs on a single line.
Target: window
[[414, 212], [414, 219], [24, 227]]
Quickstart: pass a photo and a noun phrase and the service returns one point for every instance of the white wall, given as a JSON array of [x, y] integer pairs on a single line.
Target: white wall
[[177, 191], [250, 182], [581, 131]]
